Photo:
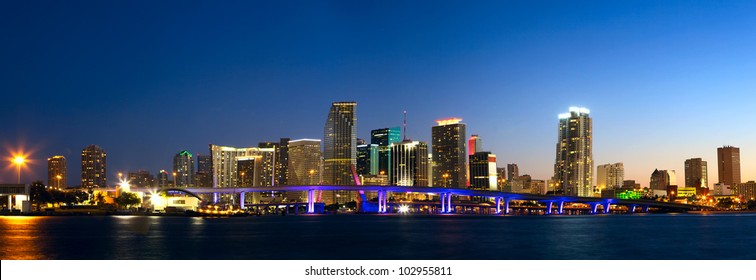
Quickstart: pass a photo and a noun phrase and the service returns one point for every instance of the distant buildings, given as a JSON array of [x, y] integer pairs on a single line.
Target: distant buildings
[[610, 176], [305, 162], [483, 174], [257, 168], [696, 175], [745, 190], [225, 164], [449, 154], [203, 178], [721, 189], [162, 179], [141, 179], [183, 167], [367, 159], [383, 138], [282, 159], [661, 180], [474, 145], [409, 163], [573, 170], [340, 150], [56, 172], [728, 163], [512, 171], [93, 167]]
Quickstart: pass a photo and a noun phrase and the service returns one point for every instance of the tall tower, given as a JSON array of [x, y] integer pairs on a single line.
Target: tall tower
[[340, 148], [573, 170], [409, 164], [93, 171], [449, 154], [204, 176], [304, 165], [383, 138], [475, 144], [56, 172], [483, 175], [512, 171], [728, 162], [183, 167], [696, 173]]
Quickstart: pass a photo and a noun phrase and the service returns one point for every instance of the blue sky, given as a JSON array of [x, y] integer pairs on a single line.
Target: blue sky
[[665, 80]]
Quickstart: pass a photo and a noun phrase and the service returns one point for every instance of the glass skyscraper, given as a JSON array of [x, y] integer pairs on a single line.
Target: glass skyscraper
[[449, 154], [573, 170], [340, 148]]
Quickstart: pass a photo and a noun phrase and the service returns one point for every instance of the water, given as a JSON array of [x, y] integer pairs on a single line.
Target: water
[[652, 236]]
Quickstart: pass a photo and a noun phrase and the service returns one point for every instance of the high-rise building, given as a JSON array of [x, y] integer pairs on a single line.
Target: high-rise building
[[728, 163], [340, 148], [474, 145], [483, 174], [225, 166], [203, 178], [696, 173], [449, 154], [162, 179], [501, 178], [367, 159], [257, 168], [610, 176], [305, 162], [573, 170], [183, 167], [409, 164], [56, 172], [662, 179], [383, 138], [282, 159], [512, 171], [93, 167], [745, 190], [141, 179]]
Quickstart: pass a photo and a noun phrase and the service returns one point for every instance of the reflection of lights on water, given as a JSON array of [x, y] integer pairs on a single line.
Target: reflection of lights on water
[[403, 209]]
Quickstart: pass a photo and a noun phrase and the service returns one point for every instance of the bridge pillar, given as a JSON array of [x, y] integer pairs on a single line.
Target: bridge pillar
[[548, 207], [442, 197], [607, 207], [215, 198], [241, 200], [645, 209], [631, 208], [449, 208], [310, 201], [498, 205], [506, 205], [594, 208], [560, 210]]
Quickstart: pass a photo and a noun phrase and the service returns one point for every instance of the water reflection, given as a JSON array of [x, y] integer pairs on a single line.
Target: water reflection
[[20, 238]]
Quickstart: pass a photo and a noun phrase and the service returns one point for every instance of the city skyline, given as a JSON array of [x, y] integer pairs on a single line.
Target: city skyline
[[662, 84]]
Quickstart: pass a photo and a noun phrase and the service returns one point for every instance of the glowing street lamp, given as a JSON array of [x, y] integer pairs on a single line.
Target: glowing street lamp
[[58, 177], [19, 161]]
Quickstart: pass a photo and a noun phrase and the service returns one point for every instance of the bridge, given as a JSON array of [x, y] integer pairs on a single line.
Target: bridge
[[502, 199]]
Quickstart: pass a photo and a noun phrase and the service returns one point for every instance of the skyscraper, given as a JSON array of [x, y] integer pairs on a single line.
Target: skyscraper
[[162, 179], [282, 159], [340, 148], [225, 166], [483, 171], [93, 167], [474, 145], [204, 176], [662, 179], [449, 154], [610, 176], [367, 159], [512, 171], [728, 163], [383, 138], [409, 164], [573, 170], [696, 173], [56, 172], [183, 167], [141, 179], [305, 166]]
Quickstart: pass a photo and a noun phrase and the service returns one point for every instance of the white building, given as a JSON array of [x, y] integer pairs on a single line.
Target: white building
[[610, 176]]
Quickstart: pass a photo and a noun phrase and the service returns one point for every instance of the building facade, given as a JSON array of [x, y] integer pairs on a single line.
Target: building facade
[[409, 164], [610, 176], [483, 174], [141, 179], [449, 154], [745, 190], [282, 159], [728, 163], [56, 172], [384, 138], [512, 171], [203, 178], [340, 149], [93, 167], [183, 167], [696, 173], [367, 159], [573, 170], [662, 179]]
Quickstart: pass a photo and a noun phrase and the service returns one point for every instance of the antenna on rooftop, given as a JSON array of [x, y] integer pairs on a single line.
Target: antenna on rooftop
[[405, 126]]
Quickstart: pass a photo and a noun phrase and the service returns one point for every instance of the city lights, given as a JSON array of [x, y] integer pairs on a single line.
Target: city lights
[[403, 209]]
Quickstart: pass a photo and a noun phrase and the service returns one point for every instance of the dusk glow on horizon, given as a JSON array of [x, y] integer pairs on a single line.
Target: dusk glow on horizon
[[663, 81]]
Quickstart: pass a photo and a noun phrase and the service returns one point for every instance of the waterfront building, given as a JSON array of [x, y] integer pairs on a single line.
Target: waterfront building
[[512, 171], [204, 176], [573, 170], [305, 166], [225, 168], [340, 149], [282, 159], [409, 163], [93, 167], [183, 168], [610, 176], [449, 154], [56, 172], [383, 138], [747, 191], [721, 190], [483, 174], [141, 179], [367, 159], [728, 163]]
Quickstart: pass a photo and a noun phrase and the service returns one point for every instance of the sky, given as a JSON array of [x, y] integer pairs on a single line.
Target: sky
[[665, 80]]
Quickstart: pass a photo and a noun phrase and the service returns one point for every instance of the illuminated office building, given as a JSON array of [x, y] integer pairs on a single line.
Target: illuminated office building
[[183, 168], [409, 164], [610, 176], [93, 167], [573, 170], [483, 174], [56, 172], [728, 163], [340, 148], [383, 138], [449, 154]]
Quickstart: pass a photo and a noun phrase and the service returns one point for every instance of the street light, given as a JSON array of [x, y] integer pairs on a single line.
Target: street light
[[19, 161], [59, 177], [175, 182], [446, 175]]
